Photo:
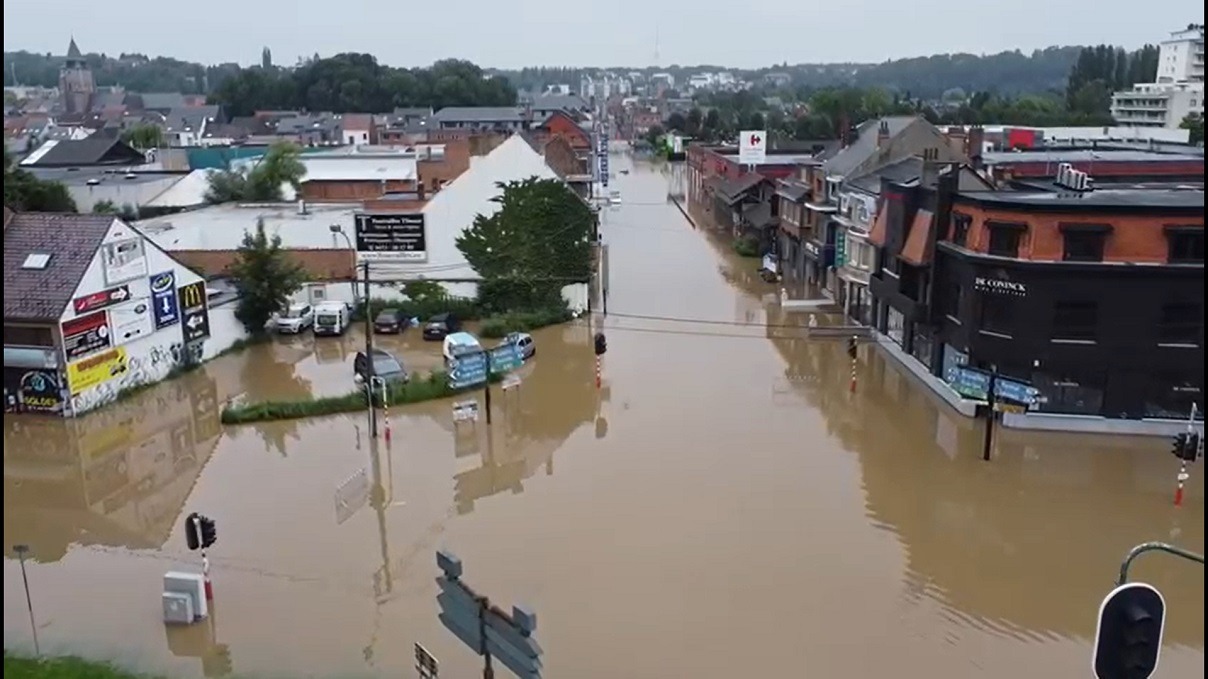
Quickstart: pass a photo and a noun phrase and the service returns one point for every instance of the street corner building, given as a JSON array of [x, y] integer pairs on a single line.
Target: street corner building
[[92, 308], [1093, 293]]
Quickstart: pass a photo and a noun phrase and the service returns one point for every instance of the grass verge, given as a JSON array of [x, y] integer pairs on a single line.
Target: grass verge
[[521, 321], [429, 388], [18, 667]]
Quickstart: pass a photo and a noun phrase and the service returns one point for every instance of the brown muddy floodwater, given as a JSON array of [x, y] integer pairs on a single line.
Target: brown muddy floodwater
[[723, 508]]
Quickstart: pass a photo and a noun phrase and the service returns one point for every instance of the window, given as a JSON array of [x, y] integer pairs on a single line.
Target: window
[[1005, 238], [1083, 245], [1186, 244], [36, 260], [960, 228], [1181, 324], [997, 314], [950, 300], [1075, 321]]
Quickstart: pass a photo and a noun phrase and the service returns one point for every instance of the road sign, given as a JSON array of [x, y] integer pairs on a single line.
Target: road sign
[[425, 663], [505, 357], [1018, 393], [1128, 638], [969, 382], [195, 315], [486, 629], [752, 147], [468, 370], [465, 411], [392, 237]]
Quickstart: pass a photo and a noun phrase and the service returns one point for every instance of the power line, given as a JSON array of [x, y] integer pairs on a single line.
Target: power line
[[702, 321]]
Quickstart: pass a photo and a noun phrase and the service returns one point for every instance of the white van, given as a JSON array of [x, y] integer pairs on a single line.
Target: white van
[[332, 318], [458, 344]]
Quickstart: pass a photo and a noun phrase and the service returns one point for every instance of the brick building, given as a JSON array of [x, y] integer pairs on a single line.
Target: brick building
[[1094, 296]]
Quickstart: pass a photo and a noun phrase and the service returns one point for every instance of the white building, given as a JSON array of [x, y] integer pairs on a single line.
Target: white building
[[308, 229], [1178, 91], [92, 309]]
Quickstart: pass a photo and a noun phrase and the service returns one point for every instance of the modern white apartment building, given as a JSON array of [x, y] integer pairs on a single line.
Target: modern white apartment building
[[1178, 91]]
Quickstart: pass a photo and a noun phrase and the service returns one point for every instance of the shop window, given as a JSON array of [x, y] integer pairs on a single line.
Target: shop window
[[1181, 324], [1075, 321], [998, 315], [1005, 238], [960, 228], [921, 347], [1071, 392], [895, 326], [1083, 245], [1186, 245], [1171, 395]]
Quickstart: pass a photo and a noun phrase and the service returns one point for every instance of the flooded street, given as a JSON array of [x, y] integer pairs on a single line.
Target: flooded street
[[724, 507]]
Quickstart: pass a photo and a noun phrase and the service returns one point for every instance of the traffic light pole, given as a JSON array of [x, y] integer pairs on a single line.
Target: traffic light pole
[[370, 369], [205, 561], [1190, 442], [1154, 547], [988, 441]]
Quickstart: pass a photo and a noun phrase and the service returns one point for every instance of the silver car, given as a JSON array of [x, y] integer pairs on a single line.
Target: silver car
[[524, 343]]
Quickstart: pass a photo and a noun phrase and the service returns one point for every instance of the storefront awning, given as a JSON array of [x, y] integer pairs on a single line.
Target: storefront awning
[[880, 226]]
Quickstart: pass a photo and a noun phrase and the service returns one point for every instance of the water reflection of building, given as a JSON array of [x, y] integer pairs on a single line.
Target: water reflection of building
[[1028, 542], [116, 477]]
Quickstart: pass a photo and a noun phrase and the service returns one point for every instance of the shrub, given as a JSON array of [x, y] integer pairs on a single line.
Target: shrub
[[747, 246], [421, 388], [522, 321]]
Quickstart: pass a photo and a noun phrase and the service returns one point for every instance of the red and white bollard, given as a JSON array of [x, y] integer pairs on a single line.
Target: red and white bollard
[[1178, 491], [386, 410], [852, 386], [205, 572], [599, 376]]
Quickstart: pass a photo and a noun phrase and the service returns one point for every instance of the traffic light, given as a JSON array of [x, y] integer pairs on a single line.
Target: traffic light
[[601, 344], [1178, 445], [851, 348], [1186, 446], [209, 532], [192, 539], [1128, 639]]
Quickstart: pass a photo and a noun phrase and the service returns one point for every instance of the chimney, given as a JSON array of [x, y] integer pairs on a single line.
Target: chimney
[[931, 168], [975, 142], [883, 134]]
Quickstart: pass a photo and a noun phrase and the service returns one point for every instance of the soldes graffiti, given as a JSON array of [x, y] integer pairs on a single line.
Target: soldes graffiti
[[32, 391], [157, 364]]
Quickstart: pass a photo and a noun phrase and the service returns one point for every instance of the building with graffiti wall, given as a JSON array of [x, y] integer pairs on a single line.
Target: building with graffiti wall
[[93, 309]]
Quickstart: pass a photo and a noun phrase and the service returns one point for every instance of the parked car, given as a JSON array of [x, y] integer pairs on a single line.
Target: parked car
[[390, 321], [385, 365], [524, 344], [295, 319], [441, 325], [458, 344]]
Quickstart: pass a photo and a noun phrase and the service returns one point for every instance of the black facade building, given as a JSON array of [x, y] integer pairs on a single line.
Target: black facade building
[[1094, 297]]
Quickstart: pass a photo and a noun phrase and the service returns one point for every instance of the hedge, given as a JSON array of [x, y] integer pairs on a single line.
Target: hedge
[[465, 309], [432, 387], [522, 321], [746, 246]]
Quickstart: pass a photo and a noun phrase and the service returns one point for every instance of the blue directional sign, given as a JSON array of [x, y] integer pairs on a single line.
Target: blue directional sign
[[468, 370], [487, 629], [163, 299], [1012, 390], [505, 358], [969, 382]]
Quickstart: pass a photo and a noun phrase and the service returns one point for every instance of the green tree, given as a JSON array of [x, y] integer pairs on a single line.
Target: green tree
[[143, 137], [1195, 123], [26, 193], [281, 165], [266, 276], [677, 122], [537, 242]]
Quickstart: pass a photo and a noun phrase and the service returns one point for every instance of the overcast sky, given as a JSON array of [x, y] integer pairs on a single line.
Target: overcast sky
[[603, 33]]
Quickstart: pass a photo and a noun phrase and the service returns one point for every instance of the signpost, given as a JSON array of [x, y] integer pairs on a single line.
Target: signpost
[[392, 237], [468, 371], [100, 300], [752, 147], [465, 411], [164, 304], [488, 630], [84, 335], [505, 358]]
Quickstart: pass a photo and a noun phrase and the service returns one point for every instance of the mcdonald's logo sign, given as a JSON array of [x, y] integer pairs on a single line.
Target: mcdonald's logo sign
[[195, 317]]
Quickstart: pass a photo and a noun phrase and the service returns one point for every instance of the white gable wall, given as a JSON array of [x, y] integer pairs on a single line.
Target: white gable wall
[[148, 358], [453, 209]]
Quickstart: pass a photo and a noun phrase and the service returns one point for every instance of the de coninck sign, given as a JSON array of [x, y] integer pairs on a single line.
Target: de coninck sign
[[1000, 286]]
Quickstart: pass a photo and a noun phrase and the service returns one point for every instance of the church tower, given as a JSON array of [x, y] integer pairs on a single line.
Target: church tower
[[75, 81]]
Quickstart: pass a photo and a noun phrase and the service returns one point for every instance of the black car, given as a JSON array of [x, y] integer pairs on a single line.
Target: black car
[[385, 366], [441, 325], [390, 321]]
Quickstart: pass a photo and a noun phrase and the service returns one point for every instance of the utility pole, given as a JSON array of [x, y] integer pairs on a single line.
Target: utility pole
[[370, 370]]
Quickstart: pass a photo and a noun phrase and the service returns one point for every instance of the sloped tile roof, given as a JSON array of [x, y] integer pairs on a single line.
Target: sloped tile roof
[[71, 240]]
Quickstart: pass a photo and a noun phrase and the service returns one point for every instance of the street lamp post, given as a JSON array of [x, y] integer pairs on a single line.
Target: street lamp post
[[22, 551], [369, 367]]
